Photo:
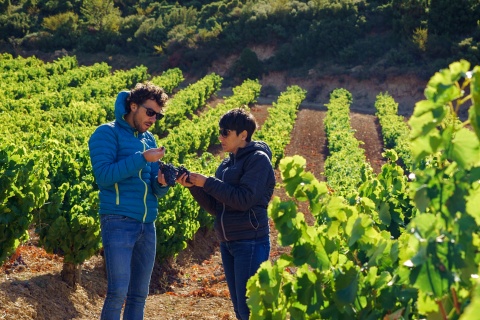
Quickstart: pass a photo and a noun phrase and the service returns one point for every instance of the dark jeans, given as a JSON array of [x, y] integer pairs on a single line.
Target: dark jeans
[[241, 260], [129, 247]]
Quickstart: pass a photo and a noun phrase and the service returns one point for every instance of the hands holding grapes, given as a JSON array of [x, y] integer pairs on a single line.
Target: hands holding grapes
[[168, 174], [155, 154], [192, 179]]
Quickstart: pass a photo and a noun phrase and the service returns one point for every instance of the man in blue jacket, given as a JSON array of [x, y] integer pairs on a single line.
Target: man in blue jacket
[[125, 162]]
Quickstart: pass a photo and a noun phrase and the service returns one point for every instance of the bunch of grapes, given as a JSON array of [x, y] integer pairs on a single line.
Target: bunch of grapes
[[171, 172]]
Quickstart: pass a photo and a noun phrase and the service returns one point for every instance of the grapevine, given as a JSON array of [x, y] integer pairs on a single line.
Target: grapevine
[[172, 173]]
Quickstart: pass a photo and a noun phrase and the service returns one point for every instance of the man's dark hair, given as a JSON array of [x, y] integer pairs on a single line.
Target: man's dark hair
[[146, 91], [239, 119]]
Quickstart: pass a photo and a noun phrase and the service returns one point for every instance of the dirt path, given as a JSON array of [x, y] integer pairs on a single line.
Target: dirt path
[[366, 130], [313, 143]]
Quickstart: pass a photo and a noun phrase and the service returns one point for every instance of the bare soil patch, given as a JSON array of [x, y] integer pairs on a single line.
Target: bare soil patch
[[192, 286]]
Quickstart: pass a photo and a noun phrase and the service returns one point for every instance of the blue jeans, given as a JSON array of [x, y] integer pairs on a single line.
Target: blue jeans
[[129, 247], [241, 260]]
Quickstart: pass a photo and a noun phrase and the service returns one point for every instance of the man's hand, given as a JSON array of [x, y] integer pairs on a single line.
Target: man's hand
[[161, 178], [155, 154]]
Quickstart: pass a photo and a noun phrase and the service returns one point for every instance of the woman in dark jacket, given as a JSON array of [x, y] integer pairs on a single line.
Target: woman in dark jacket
[[238, 197]]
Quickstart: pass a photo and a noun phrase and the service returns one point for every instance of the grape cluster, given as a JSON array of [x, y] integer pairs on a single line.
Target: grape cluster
[[171, 173]]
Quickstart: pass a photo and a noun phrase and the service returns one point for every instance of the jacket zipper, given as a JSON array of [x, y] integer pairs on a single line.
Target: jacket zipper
[[223, 211], [221, 223], [117, 198], [146, 186], [144, 195]]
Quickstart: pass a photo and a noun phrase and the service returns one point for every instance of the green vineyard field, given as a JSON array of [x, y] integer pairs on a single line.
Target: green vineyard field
[[400, 242]]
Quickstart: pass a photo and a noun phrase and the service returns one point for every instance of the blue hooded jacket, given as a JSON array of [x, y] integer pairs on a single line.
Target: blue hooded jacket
[[128, 183]]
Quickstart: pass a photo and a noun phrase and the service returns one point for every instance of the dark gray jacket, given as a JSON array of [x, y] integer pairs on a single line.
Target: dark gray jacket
[[239, 194]]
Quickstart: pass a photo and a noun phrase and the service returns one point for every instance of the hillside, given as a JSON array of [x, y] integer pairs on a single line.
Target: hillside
[[406, 89]]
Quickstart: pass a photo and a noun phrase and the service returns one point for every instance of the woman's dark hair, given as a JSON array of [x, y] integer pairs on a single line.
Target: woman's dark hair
[[239, 119], [146, 91]]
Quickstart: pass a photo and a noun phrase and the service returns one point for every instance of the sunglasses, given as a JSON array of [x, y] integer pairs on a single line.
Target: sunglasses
[[150, 112], [224, 132]]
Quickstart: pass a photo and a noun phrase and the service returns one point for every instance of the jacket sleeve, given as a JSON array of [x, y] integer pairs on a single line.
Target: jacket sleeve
[[103, 155], [204, 200], [250, 189]]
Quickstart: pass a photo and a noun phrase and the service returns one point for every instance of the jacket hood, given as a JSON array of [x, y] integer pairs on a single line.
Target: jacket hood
[[120, 109], [253, 146]]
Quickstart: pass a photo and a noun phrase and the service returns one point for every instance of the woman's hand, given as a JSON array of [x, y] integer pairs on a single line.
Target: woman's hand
[[183, 180], [196, 179]]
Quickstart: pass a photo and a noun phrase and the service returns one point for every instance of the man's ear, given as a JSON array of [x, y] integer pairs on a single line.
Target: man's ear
[[133, 106]]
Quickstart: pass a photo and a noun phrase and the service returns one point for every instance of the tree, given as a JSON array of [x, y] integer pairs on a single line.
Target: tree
[[450, 18], [101, 15]]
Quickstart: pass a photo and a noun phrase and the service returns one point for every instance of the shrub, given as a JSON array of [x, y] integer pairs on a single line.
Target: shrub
[[15, 25], [248, 66]]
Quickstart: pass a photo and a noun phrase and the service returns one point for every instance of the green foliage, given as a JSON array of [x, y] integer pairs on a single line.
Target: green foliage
[[341, 267], [402, 248], [69, 224], [395, 131], [24, 187], [186, 102], [389, 196], [192, 34], [453, 17], [169, 80], [101, 15], [101, 21], [15, 25], [64, 29], [52, 114], [67, 21], [151, 31], [53, 7], [443, 255], [344, 166], [366, 50], [276, 129]]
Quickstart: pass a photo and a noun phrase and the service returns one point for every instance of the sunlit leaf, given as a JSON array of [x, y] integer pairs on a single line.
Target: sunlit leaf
[[335, 209], [473, 204], [356, 232], [421, 198], [429, 279], [473, 309], [426, 304], [465, 149], [474, 111]]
